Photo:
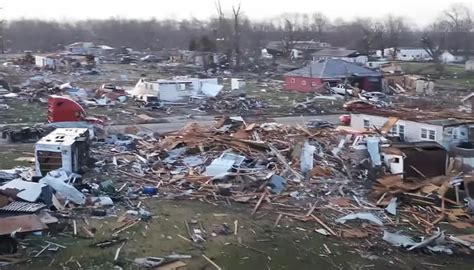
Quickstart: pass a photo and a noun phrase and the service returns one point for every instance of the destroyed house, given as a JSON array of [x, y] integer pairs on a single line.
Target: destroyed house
[[177, 89], [340, 53], [412, 127], [332, 71]]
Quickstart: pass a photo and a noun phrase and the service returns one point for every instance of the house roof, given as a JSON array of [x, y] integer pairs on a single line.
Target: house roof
[[418, 144], [443, 118], [333, 68], [80, 44], [336, 52]]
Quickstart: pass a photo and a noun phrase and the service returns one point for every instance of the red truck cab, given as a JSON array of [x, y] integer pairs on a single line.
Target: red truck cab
[[63, 109]]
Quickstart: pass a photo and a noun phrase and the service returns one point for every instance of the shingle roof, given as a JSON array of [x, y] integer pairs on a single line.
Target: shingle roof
[[335, 52], [333, 68]]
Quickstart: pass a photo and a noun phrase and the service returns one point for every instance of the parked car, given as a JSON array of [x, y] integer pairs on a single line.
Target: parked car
[[150, 59], [345, 119], [355, 105], [341, 89], [374, 96], [318, 123]]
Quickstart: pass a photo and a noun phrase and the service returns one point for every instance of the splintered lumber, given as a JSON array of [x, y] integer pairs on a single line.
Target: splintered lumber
[[285, 163], [323, 224], [139, 177], [259, 202], [211, 262], [277, 220], [311, 210], [127, 227]]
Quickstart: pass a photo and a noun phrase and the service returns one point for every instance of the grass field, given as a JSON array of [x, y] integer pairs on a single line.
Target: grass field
[[453, 74]]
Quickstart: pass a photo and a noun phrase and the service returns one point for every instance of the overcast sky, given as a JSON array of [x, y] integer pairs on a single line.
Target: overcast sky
[[419, 11]]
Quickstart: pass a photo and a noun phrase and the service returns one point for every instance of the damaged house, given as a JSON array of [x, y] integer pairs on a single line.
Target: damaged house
[[340, 53], [455, 135], [417, 127], [332, 71], [415, 159], [177, 89]]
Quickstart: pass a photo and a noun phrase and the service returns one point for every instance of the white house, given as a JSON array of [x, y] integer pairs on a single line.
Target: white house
[[408, 54], [413, 128], [352, 56], [89, 48], [177, 89], [469, 66], [47, 61], [80, 47]]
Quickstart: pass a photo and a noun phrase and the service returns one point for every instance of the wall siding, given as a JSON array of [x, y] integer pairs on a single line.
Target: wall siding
[[298, 85], [412, 129]]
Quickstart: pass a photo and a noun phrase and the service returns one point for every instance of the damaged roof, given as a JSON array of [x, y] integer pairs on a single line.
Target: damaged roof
[[336, 52], [443, 118], [333, 68]]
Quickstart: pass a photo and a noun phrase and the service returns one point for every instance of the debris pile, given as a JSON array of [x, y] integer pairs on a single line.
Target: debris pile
[[306, 174]]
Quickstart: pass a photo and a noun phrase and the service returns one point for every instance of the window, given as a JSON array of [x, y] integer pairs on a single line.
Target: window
[[424, 133], [432, 135], [401, 132], [366, 123], [428, 134], [292, 80], [303, 82], [393, 130]]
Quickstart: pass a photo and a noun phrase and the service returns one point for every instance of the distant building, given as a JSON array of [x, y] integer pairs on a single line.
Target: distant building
[[340, 53], [332, 71], [177, 89], [407, 54], [82, 48], [453, 57], [51, 61], [469, 66], [299, 49]]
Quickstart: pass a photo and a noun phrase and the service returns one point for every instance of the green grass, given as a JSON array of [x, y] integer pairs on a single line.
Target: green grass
[[22, 111], [453, 74], [11, 152]]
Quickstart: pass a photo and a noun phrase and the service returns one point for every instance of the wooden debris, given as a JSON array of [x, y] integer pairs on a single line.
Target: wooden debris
[[211, 262], [264, 193], [323, 224]]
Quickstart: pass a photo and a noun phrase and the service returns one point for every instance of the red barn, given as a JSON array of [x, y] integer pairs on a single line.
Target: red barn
[[333, 71]]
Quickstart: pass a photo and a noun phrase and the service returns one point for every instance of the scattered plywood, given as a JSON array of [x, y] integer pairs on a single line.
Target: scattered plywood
[[354, 233], [24, 223]]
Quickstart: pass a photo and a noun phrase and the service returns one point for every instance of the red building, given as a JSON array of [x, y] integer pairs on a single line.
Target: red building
[[333, 71]]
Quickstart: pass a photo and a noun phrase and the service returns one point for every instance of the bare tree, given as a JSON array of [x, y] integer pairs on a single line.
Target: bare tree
[[289, 39], [319, 24], [236, 13], [394, 29], [458, 22]]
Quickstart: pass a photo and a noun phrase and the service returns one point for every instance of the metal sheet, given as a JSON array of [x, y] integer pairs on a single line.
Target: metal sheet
[[22, 207]]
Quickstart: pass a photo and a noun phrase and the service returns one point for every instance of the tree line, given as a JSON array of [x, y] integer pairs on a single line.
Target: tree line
[[234, 33]]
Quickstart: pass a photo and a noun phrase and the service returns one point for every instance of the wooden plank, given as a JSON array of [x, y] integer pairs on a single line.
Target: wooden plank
[[323, 224]]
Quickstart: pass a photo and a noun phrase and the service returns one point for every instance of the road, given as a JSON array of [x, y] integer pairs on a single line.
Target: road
[[176, 123]]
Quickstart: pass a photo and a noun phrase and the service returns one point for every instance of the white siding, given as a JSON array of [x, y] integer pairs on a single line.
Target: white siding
[[412, 129]]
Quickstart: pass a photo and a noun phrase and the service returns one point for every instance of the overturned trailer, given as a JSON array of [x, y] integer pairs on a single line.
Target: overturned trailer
[[66, 148]]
